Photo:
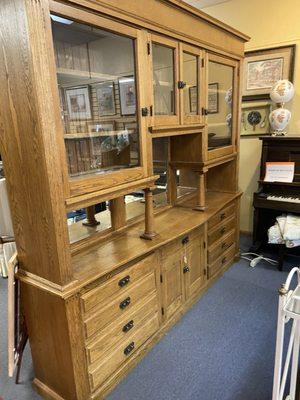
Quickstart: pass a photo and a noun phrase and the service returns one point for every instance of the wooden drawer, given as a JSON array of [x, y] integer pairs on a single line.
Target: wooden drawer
[[221, 230], [221, 262], [122, 353], [122, 329], [220, 247], [120, 306], [118, 284], [222, 215]]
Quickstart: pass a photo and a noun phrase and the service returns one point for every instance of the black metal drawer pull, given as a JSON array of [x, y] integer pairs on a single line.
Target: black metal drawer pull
[[124, 281], [186, 269], [128, 326], [222, 216], [224, 260], [125, 303], [129, 349], [223, 245], [223, 230]]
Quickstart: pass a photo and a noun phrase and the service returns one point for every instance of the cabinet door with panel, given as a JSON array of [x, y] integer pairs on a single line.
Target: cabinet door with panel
[[221, 108], [194, 265], [100, 65], [172, 282]]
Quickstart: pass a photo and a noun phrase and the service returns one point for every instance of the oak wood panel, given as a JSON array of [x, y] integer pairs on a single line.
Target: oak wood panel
[[114, 334], [107, 313], [220, 230], [221, 215], [162, 17], [29, 142], [222, 262], [107, 291], [220, 246], [113, 360]]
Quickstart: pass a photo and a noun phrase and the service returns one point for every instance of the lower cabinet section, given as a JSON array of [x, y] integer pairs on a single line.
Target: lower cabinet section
[[123, 312]]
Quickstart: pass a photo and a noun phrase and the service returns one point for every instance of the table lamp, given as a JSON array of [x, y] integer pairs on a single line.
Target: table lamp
[[282, 92]]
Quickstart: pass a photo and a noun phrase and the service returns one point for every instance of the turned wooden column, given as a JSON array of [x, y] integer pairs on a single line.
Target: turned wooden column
[[90, 217], [200, 206], [149, 216], [118, 213]]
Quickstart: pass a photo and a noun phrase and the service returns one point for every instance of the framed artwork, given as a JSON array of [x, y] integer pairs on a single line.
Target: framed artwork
[[105, 126], [193, 99], [263, 68], [213, 98], [105, 93], [255, 119], [78, 102], [127, 95]]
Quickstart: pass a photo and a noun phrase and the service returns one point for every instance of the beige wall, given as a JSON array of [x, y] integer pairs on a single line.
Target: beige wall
[[270, 24]]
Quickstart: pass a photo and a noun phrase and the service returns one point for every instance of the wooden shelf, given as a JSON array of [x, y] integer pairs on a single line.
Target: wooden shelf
[[173, 130], [87, 135]]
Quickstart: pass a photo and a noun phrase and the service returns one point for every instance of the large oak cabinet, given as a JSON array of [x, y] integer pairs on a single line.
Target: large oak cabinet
[[120, 141]]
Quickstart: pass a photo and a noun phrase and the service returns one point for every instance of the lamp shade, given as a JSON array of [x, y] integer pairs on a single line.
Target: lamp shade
[[282, 92], [279, 118]]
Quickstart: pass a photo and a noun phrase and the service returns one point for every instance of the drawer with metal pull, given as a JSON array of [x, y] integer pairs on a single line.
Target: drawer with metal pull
[[120, 305], [221, 230], [118, 284], [219, 247], [108, 364], [222, 262], [222, 215], [122, 329]]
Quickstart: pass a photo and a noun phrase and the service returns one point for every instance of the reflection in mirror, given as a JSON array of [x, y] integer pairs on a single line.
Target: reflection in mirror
[[86, 222], [163, 79], [160, 167], [186, 182], [220, 103], [190, 77], [97, 88], [135, 205]]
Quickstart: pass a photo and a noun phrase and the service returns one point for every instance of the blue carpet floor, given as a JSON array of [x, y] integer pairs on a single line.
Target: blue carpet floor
[[222, 349]]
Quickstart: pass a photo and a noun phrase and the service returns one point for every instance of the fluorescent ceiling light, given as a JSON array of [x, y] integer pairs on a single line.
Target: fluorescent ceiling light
[[61, 20]]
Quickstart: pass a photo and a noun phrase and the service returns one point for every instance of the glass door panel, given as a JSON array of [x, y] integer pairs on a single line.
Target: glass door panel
[[97, 86], [220, 102], [165, 91], [191, 80]]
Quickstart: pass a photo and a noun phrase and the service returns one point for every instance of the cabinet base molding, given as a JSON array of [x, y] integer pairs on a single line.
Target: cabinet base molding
[[45, 391]]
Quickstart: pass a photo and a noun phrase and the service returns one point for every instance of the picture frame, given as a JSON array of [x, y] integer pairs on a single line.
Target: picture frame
[[78, 102], [105, 94], [250, 127], [127, 95], [193, 97], [263, 68], [213, 98]]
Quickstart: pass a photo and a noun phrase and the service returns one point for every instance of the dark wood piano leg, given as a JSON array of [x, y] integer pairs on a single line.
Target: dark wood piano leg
[[257, 240], [281, 254]]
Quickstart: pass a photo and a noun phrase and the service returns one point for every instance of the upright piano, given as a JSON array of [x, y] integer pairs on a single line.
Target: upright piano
[[274, 198]]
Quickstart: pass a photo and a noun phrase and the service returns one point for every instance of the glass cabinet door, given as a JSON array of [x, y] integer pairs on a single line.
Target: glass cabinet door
[[96, 75], [190, 83], [165, 81], [221, 105]]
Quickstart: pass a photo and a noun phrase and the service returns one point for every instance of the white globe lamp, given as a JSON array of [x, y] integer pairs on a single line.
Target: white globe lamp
[[282, 92]]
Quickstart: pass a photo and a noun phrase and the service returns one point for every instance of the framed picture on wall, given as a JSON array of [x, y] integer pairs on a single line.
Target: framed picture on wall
[[263, 68], [78, 102], [255, 118], [213, 98], [105, 93], [127, 95]]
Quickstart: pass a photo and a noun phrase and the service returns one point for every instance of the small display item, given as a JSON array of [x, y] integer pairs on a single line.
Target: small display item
[[254, 118]]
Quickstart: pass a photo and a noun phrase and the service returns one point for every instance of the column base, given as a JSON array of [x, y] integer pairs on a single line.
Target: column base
[[148, 235], [92, 223], [199, 208]]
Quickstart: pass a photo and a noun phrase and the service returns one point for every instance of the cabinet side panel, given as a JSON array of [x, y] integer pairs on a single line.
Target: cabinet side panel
[[29, 140], [48, 329]]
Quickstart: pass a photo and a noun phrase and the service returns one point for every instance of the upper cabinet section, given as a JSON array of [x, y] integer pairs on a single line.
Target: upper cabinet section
[[221, 105], [99, 93]]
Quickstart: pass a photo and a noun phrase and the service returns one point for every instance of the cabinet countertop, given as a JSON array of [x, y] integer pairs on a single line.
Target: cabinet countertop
[[103, 258]]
